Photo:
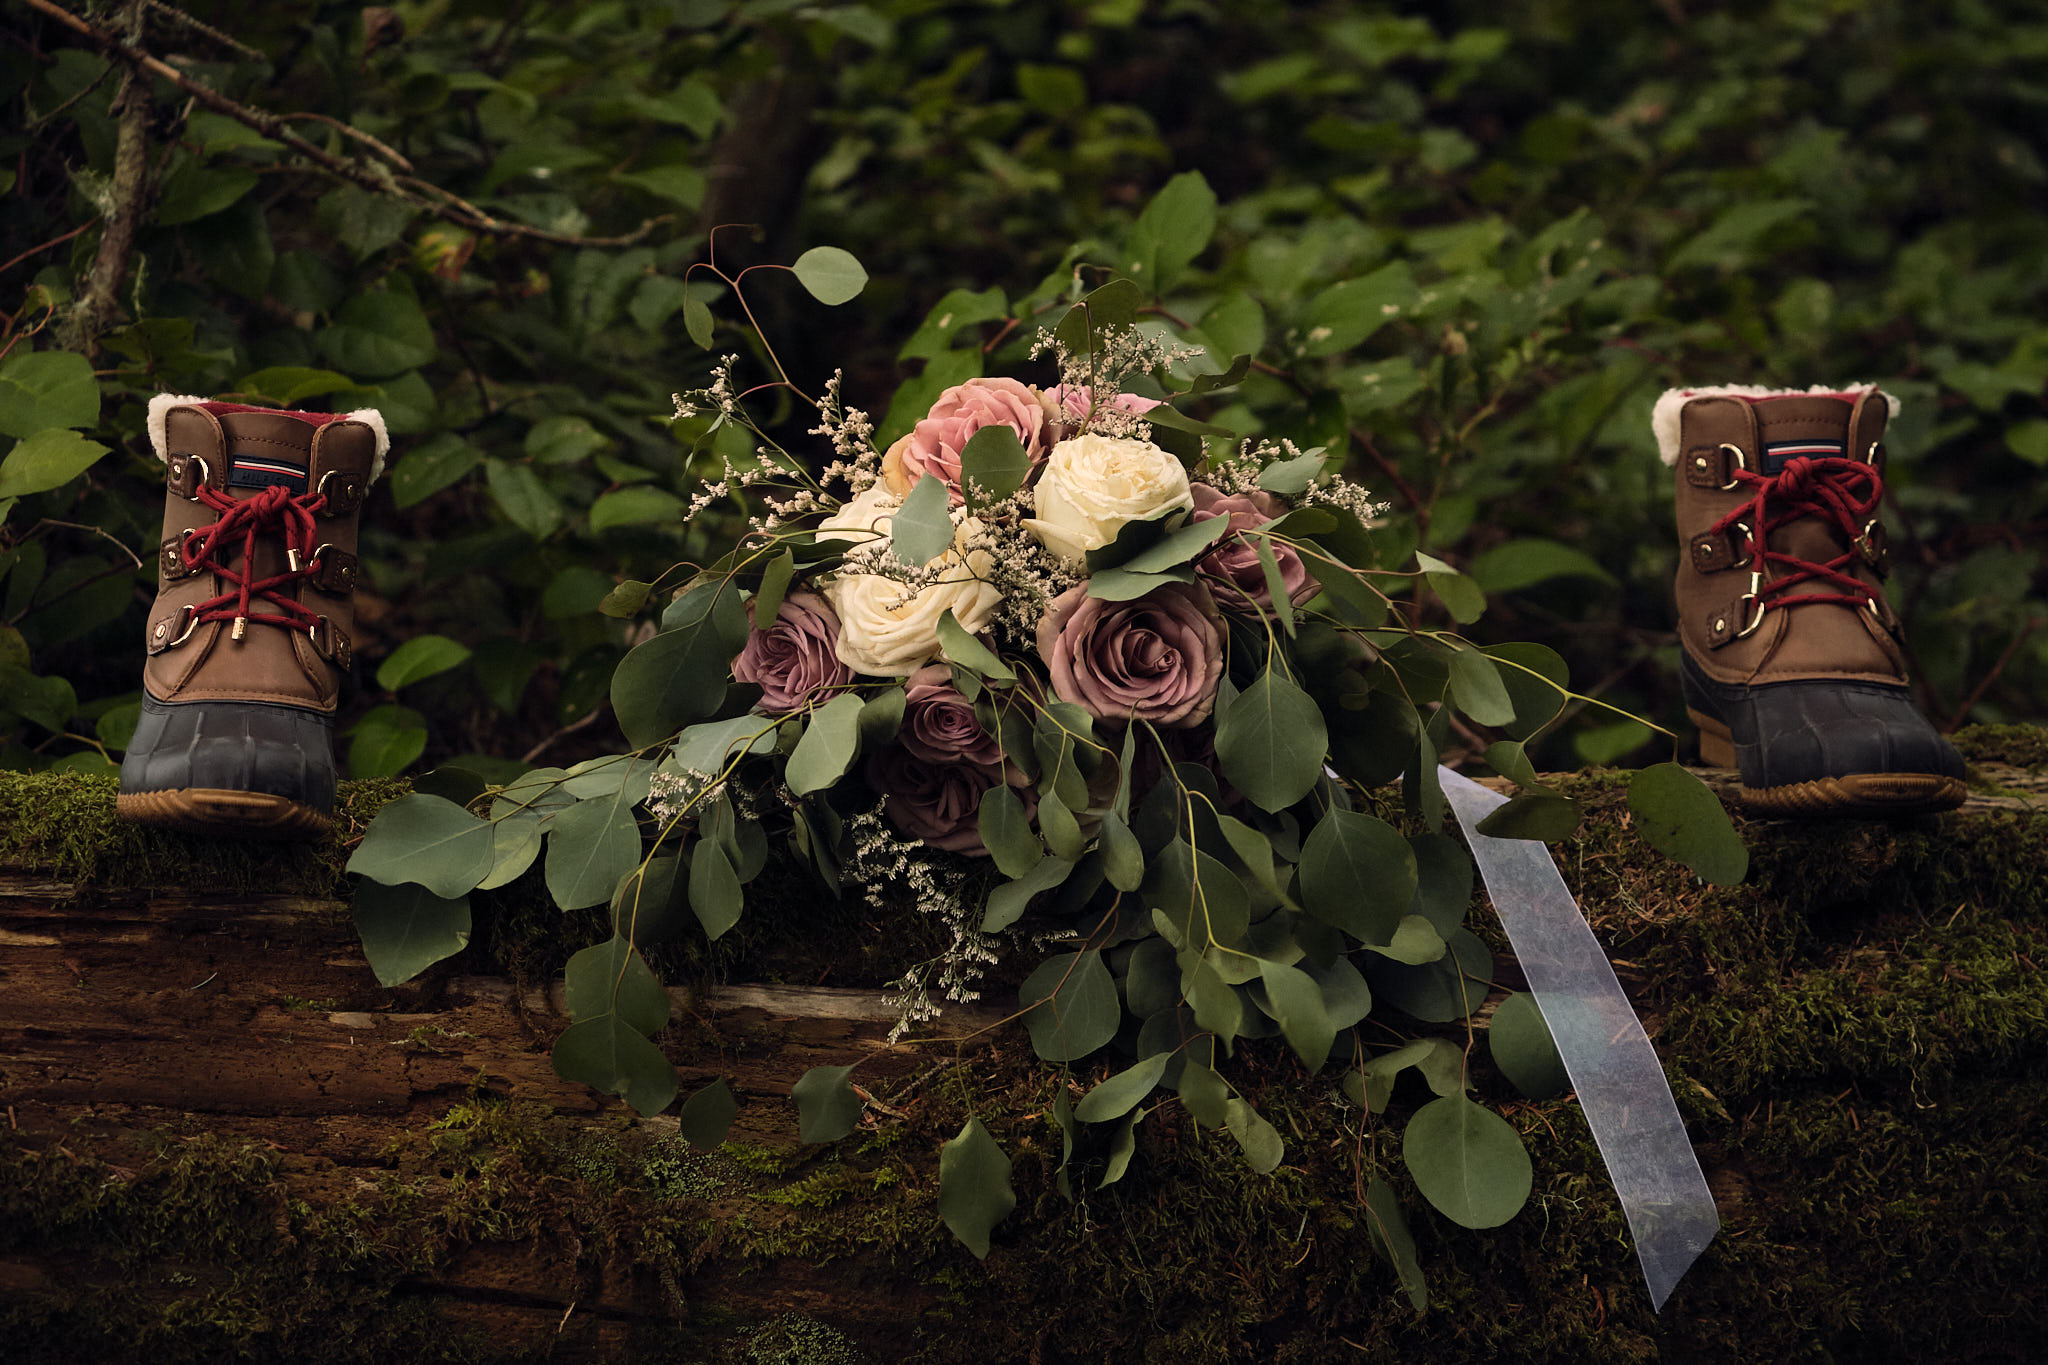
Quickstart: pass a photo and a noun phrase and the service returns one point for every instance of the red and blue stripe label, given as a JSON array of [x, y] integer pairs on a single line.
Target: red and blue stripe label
[[1778, 454], [266, 471]]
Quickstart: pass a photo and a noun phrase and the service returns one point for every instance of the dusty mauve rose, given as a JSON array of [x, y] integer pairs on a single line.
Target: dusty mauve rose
[[940, 803], [933, 446], [1232, 568], [794, 656], [939, 724], [1157, 658], [1069, 406]]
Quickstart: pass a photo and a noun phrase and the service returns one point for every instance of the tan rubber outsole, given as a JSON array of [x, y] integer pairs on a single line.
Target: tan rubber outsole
[[233, 814], [1865, 794]]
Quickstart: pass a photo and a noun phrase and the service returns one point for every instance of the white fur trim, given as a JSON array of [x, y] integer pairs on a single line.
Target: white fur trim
[[1664, 416], [159, 411], [374, 420]]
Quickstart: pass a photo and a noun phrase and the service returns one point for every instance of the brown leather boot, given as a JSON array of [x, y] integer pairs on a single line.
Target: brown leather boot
[[249, 638], [1791, 667]]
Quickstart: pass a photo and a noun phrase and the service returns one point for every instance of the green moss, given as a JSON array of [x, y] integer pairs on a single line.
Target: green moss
[[2023, 746]]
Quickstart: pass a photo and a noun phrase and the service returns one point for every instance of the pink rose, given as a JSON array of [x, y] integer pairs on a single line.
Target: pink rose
[[794, 657], [933, 446], [1071, 405], [1156, 659], [1232, 568], [939, 724], [940, 803]]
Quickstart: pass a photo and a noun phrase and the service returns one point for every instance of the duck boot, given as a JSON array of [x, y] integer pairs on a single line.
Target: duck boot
[[1791, 663], [249, 639]]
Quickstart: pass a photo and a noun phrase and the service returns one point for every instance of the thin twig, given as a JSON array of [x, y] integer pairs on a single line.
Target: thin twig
[[99, 531], [567, 730], [1407, 491], [1984, 683], [54, 241], [207, 30], [351, 131]]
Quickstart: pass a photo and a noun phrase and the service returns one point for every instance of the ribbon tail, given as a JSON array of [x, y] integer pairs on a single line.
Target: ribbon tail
[[1620, 1083]]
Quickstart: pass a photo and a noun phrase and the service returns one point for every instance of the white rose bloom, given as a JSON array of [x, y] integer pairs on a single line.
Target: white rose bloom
[[880, 633], [1093, 485]]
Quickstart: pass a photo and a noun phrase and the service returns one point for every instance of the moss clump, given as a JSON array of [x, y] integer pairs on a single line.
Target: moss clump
[[2023, 746]]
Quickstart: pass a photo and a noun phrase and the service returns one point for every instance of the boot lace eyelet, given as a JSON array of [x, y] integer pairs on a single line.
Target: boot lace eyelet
[[1737, 461]]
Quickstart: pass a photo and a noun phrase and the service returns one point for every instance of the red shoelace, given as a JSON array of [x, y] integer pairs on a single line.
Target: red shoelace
[[272, 511], [1844, 492]]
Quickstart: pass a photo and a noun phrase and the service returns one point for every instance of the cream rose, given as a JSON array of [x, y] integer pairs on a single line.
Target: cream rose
[[1093, 485], [881, 633]]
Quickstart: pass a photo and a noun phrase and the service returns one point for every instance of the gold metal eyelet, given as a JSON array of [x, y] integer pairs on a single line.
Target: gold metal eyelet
[[1738, 461], [1755, 599]]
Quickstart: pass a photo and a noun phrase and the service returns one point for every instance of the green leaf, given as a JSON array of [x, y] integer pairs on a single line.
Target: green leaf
[[833, 276], [290, 385], [1346, 314], [1121, 1149], [2028, 439], [431, 467], [715, 892], [406, 929], [956, 646], [706, 1117], [1535, 815], [386, 741], [1387, 1228], [1170, 232], [993, 462], [881, 717], [49, 459], [423, 656], [1121, 585], [1680, 817], [515, 843], [1468, 1162], [1006, 832], [1415, 942], [1511, 761], [425, 840], [950, 319], [1443, 881], [1534, 677], [591, 846], [1061, 830], [1357, 874], [1177, 548], [921, 529], [1447, 988], [1270, 740], [1122, 1092], [1123, 858], [1200, 895], [826, 1106], [1519, 564], [828, 747], [1291, 478], [1297, 1005], [1477, 689], [974, 1186], [640, 505], [1727, 243], [680, 675], [1007, 903], [1072, 1006], [523, 498], [379, 333], [194, 190], [1524, 1050], [612, 978], [774, 587], [1259, 1140], [613, 1058], [1459, 594], [697, 320]]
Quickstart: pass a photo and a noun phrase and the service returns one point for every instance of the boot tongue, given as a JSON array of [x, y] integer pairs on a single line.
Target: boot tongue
[[1789, 428], [267, 450]]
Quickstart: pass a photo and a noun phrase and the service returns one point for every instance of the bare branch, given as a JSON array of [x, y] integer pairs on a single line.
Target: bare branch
[[99, 302]]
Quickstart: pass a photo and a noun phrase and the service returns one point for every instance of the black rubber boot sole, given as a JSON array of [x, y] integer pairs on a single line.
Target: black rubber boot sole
[[246, 770]]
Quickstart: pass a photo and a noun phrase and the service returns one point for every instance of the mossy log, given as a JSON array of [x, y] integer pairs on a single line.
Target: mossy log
[[223, 1140]]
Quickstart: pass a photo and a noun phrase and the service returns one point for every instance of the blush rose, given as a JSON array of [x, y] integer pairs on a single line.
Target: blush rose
[[1157, 658], [933, 446], [1232, 568], [794, 656]]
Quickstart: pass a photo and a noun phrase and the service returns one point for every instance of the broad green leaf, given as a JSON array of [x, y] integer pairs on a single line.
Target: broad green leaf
[[626, 599], [1006, 831], [922, 529], [1347, 1000], [707, 748], [1519, 564], [378, 333], [1387, 1228], [1534, 677], [774, 587], [1680, 817], [1523, 1049], [640, 505], [1511, 761], [831, 275], [1443, 889], [1218, 1008], [1437, 992], [881, 717], [1061, 830], [523, 498], [706, 1117], [826, 1106], [958, 647], [613, 1058], [2029, 440], [1177, 548], [993, 463], [1416, 941], [1200, 895], [1346, 314], [1458, 593], [44, 389], [386, 741], [612, 978], [423, 656], [195, 190], [951, 318], [1271, 740], [1122, 585], [1259, 1139], [1468, 1162], [1297, 1005], [1122, 1092], [406, 929], [1204, 1093], [697, 320], [591, 845], [715, 892], [1290, 478], [515, 843], [1476, 687], [1170, 232], [428, 841], [828, 747], [1534, 815], [1006, 904], [1123, 858], [677, 677], [290, 385], [1121, 1149], [1073, 1006], [646, 902], [46, 460], [430, 467], [974, 1186], [1357, 874]]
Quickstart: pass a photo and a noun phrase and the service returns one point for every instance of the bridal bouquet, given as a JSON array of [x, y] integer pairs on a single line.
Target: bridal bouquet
[[1064, 671]]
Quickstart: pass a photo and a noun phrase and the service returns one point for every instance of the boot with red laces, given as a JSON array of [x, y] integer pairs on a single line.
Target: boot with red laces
[[250, 636], [1792, 667]]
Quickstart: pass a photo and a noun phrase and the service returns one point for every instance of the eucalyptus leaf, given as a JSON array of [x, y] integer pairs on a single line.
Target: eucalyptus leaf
[[591, 845], [715, 892], [1007, 903], [429, 841], [1523, 1049], [1680, 817], [706, 1117], [1005, 830], [993, 464], [831, 274], [1123, 1092], [1533, 815], [922, 528], [613, 1058], [612, 978], [1387, 1228], [829, 745], [406, 928], [826, 1106], [1270, 741], [1297, 1005], [974, 1186], [1468, 1162], [1259, 1139], [1357, 874], [1072, 1006]]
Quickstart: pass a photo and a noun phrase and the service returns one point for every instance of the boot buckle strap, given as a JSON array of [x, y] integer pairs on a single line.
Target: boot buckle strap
[[171, 564], [344, 490], [173, 630], [331, 641], [184, 475], [1715, 467], [334, 570], [1729, 549], [1740, 618]]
